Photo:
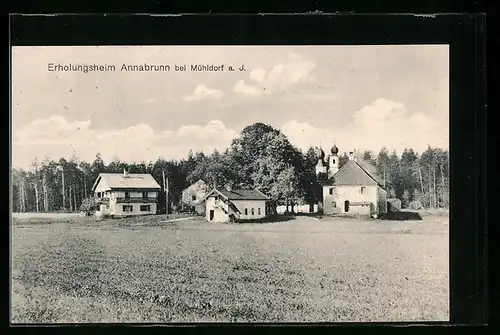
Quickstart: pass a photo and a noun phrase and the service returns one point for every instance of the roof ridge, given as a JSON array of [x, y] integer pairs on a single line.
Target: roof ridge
[[345, 167], [341, 168], [367, 173], [262, 193], [121, 173], [243, 193]]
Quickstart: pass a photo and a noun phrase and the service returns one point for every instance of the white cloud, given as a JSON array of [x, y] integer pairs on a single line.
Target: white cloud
[[383, 123], [150, 100], [279, 78], [42, 131], [245, 89], [212, 129], [56, 137], [379, 111], [202, 92], [258, 75], [135, 133]]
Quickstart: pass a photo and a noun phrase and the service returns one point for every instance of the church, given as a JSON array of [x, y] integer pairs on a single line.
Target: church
[[350, 189]]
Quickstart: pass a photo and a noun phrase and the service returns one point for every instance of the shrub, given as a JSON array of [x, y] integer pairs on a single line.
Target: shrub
[[415, 204], [89, 206], [405, 199], [393, 205], [200, 209]]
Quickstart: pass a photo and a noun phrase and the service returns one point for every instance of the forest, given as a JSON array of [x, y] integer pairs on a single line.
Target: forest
[[260, 157]]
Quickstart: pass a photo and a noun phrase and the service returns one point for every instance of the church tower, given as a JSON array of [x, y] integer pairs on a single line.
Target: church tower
[[320, 167], [333, 161]]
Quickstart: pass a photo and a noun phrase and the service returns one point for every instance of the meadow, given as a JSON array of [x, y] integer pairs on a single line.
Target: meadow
[[79, 270]]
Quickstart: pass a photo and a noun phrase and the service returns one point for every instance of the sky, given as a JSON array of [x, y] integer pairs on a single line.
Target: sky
[[358, 97]]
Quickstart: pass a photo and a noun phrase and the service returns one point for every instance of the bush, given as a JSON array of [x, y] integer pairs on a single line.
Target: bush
[[415, 204], [200, 209], [393, 205], [405, 199], [89, 206]]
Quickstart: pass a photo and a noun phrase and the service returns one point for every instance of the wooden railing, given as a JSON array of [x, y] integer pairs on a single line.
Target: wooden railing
[[138, 200], [103, 201]]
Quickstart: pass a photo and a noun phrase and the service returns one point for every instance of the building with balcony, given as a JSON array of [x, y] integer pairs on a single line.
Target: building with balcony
[[225, 205], [124, 194]]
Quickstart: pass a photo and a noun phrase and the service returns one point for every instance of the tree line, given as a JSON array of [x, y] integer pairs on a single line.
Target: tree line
[[260, 157]]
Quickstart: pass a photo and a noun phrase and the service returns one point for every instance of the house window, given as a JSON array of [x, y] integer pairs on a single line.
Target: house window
[[144, 195], [258, 211], [333, 160], [128, 208], [127, 194], [331, 190], [253, 213], [193, 197], [334, 204], [145, 208], [246, 211], [362, 190]]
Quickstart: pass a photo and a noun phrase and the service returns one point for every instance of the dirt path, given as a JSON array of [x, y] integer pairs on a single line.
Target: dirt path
[[179, 219]]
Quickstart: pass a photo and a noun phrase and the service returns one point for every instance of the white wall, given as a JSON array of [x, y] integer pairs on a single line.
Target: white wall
[[219, 214], [117, 209], [351, 194], [249, 204], [297, 209]]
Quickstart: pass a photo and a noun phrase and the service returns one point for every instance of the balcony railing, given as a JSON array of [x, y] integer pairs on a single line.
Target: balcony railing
[[103, 201], [137, 200]]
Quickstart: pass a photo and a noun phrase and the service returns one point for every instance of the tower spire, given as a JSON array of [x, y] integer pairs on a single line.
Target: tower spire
[[320, 167], [333, 161]]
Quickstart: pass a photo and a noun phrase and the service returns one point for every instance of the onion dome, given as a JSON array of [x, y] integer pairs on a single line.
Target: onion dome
[[335, 150], [320, 153]]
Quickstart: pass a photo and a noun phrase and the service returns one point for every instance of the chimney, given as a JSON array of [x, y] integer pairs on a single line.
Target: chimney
[[125, 173]]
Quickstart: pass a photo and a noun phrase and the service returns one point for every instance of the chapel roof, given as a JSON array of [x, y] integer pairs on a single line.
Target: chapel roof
[[352, 174]]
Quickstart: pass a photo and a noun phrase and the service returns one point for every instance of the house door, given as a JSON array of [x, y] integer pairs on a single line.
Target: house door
[[346, 206], [211, 214]]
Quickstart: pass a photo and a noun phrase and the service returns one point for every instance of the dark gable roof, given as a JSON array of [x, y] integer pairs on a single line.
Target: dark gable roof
[[241, 194], [370, 169], [352, 173]]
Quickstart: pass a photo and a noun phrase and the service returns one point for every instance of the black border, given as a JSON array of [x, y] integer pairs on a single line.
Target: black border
[[464, 33]]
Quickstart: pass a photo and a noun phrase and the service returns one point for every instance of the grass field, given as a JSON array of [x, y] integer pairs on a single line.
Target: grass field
[[305, 269]]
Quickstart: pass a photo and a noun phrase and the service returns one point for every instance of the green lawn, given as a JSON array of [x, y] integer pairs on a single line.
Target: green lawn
[[137, 270]]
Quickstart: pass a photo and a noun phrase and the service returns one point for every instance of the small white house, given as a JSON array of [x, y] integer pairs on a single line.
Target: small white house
[[126, 194], [195, 193], [224, 205]]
